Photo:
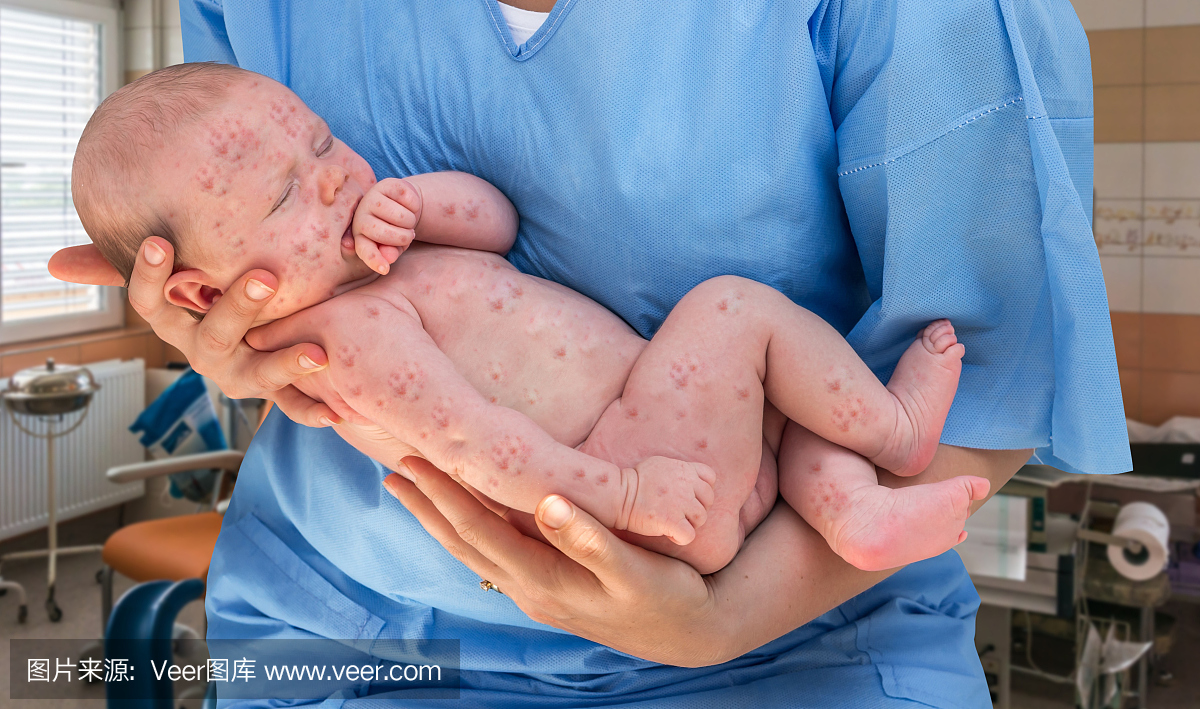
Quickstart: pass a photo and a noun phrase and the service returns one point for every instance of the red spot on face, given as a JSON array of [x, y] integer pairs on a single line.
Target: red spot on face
[[631, 412], [662, 491], [372, 311], [497, 304], [449, 209], [835, 385], [723, 305], [816, 467], [560, 352], [702, 444]]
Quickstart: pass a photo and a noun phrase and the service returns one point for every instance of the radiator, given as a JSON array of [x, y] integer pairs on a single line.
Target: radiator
[[81, 457]]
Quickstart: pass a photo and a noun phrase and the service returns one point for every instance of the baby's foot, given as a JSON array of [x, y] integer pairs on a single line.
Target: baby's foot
[[883, 528], [923, 384], [672, 498]]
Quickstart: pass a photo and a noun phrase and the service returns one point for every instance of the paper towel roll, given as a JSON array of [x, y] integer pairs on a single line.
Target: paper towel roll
[[1147, 524]]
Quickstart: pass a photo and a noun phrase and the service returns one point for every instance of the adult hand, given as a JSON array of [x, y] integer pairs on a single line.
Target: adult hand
[[593, 584], [214, 346]]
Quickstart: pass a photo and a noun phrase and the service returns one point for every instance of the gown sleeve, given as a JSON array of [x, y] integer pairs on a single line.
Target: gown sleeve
[[204, 36], [964, 135]]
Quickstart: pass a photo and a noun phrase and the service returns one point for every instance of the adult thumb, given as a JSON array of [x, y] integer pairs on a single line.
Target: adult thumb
[[578, 535]]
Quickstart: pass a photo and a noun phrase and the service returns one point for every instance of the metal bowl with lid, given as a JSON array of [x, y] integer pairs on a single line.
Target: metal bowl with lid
[[50, 389]]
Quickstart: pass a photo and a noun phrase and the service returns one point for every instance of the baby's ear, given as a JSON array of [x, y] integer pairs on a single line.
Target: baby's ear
[[192, 289]]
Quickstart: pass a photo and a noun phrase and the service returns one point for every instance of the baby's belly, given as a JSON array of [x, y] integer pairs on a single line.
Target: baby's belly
[[523, 342]]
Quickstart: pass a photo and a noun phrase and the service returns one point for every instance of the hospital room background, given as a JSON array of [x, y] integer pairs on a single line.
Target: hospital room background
[[1090, 588]]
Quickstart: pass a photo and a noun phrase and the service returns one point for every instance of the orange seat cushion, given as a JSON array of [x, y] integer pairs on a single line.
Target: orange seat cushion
[[173, 548]]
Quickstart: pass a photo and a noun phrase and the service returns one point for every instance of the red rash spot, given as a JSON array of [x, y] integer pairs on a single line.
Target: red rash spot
[[356, 391], [472, 211], [560, 352], [449, 210], [848, 413], [441, 418], [493, 482], [835, 385], [517, 292], [702, 444], [681, 415], [816, 467], [379, 403], [407, 382], [493, 399], [603, 479], [662, 491], [580, 475], [631, 413], [497, 304], [743, 394], [372, 311], [346, 356], [510, 450], [723, 305]]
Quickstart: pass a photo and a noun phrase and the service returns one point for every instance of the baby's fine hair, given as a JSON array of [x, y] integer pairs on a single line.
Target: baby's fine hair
[[108, 176]]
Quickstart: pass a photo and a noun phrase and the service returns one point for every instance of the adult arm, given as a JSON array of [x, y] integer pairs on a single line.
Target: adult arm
[[649, 605]]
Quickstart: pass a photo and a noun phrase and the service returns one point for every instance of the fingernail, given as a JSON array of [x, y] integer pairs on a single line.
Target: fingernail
[[153, 254], [557, 512], [257, 290], [389, 483], [306, 362], [326, 421]]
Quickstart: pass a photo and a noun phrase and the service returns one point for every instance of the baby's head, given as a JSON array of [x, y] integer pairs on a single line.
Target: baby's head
[[235, 171]]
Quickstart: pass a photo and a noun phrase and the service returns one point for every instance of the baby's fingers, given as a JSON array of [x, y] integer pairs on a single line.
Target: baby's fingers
[[368, 251]]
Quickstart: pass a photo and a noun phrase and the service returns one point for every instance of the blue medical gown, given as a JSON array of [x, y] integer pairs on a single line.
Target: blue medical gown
[[882, 162]]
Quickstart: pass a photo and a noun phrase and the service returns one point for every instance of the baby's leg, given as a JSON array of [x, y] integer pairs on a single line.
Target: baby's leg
[[816, 379], [871, 526]]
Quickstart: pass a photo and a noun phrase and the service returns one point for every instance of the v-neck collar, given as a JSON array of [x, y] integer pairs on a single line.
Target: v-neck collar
[[537, 40]]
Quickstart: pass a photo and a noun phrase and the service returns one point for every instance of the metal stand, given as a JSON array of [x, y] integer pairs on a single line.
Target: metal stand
[[53, 612]]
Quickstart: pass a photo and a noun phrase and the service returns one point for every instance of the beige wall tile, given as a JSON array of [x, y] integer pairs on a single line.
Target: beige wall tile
[[1116, 57], [1131, 392], [1173, 170], [1172, 12], [1118, 227], [1171, 342], [1167, 394], [170, 14], [139, 49], [1118, 172], [1172, 54], [1127, 337], [1171, 228], [1173, 112], [1108, 14], [1118, 114], [13, 363], [1123, 281], [1171, 285], [172, 46]]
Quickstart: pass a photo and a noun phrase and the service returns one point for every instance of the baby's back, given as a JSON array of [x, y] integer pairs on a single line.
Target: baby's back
[[523, 342]]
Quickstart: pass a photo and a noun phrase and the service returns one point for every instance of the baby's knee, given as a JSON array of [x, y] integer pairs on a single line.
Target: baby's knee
[[731, 295]]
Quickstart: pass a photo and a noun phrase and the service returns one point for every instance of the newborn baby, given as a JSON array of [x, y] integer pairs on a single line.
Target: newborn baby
[[515, 385]]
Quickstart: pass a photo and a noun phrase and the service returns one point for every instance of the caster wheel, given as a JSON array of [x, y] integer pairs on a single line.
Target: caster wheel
[[23, 614], [100, 576], [53, 612]]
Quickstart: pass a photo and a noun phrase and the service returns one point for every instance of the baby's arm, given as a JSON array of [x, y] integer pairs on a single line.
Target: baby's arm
[[448, 208], [399, 379]]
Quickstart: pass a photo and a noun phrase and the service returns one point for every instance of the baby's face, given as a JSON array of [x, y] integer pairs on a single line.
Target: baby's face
[[262, 183]]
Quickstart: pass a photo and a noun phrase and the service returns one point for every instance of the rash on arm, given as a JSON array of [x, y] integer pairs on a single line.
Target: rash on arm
[[459, 209]]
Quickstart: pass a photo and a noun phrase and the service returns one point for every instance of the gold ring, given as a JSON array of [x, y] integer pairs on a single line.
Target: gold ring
[[489, 586]]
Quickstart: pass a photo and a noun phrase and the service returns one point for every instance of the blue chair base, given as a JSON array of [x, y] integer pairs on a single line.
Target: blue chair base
[[139, 630]]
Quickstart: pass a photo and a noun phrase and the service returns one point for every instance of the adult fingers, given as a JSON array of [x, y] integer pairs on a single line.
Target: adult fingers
[[442, 530], [302, 409], [578, 535], [150, 273], [84, 264], [223, 328]]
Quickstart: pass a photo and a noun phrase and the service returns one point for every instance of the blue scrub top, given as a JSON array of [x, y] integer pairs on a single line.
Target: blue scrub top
[[883, 163]]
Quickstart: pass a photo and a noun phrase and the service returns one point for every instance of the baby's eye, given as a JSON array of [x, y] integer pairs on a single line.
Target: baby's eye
[[283, 198], [325, 147]]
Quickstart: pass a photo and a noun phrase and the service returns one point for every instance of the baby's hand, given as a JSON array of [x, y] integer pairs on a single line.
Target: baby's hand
[[672, 498], [385, 222]]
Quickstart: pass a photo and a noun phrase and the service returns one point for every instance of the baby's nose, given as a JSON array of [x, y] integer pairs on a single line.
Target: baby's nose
[[331, 180]]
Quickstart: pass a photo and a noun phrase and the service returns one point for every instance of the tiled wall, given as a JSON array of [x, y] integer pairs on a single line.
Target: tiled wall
[[1146, 70], [153, 38]]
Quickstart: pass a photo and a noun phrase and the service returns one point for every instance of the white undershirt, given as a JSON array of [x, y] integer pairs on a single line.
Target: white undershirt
[[521, 23]]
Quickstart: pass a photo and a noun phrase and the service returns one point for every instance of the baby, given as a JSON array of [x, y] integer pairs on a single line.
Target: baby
[[515, 385]]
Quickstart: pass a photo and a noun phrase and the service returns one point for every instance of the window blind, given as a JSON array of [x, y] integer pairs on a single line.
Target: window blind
[[50, 81]]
